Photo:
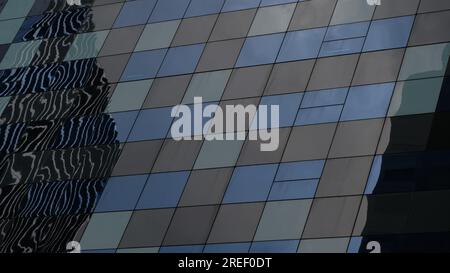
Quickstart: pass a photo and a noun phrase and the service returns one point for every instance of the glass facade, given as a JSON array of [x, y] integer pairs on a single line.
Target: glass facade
[[87, 153]]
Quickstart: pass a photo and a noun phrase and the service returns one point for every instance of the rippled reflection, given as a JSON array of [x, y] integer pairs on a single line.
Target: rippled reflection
[[58, 146]]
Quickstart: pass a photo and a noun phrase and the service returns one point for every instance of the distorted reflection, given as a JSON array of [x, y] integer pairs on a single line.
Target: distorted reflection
[[408, 189], [58, 145]]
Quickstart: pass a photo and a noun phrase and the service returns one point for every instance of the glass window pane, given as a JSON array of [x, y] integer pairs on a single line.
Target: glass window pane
[[283, 220], [319, 115], [349, 11], [143, 65], [415, 97], [105, 230], [286, 246], [181, 249], [16, 9], [152, 124], [122, 40], [231, 5], [209, 86], [135, 13], [345, 176], [347, 31], [163, 190], [332, 217], [300, 170], [276, 2], [169, 10], [129, 96], [327, 245], [158, 35], [356, 138], [137, 158], [370, 101], [146, 228], [300, 45], [260, 50], [177, 155], [389, 33], [288, 106], [312, 14], [194, 30], [121, 193], [227, 248], [272, 19], [202, 7], [249, 184], [324, 97], [199, 189], [124, 122], [425, 62], [87, 45], [341, 47], [220, 55], [9, 29], [297, 189], [20, 54], [232, 25], [190, 225], [167, 91], [309, 142], [181, 60], [236, 223]]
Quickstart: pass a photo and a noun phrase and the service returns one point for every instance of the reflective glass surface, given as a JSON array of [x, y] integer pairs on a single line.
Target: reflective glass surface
[[87, 92]]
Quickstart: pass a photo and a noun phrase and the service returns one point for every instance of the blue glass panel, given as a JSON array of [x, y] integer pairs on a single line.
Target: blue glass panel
[[260, 50], [181, 249], [288, 107], [297, 189], [289, 246], [324, 97], [26, 26], [319, 115], [169, 10], [300, 170], [181, 60], [135, 13], [250, 183], [303, 44], [374, 174], [121, 193], [151, 124], [227, 248], [277, 2], [231, 5], [368, 101], [124, 121], [347, 31], [354, 245], [389, 33], [163, 190], [143, 65], [202, 7], [341, 47]]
